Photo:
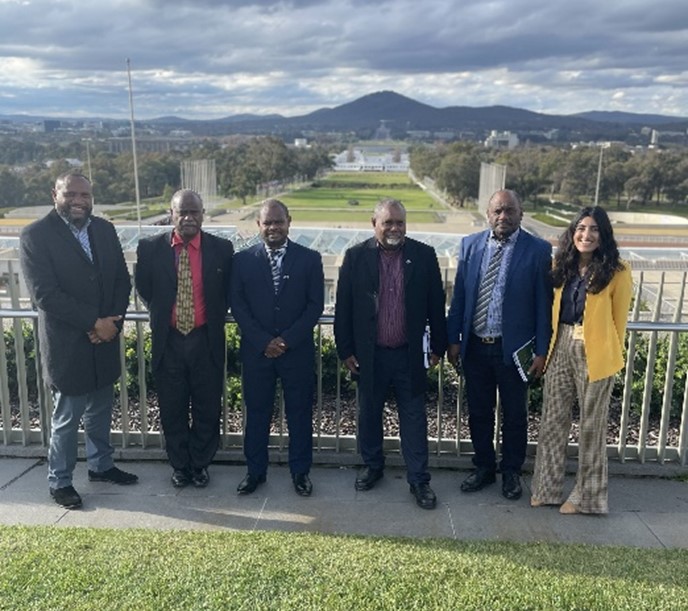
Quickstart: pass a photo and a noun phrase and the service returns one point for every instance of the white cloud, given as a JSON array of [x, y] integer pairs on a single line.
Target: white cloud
[[208, 58]]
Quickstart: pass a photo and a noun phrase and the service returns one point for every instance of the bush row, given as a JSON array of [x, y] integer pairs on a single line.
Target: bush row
[[332, 372]]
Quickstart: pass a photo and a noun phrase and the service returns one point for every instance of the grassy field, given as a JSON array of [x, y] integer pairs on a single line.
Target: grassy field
[[375, 179], [333, 199], [86, 569]]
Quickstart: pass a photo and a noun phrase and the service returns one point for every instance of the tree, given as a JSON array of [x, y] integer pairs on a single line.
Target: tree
[[459, 176], [11, 189]]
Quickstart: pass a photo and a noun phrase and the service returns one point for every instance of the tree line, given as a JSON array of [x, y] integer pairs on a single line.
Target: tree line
[[644, 176], [242, 167]]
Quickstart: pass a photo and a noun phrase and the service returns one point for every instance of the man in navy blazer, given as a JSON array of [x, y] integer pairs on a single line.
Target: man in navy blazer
[[277, 298], [516, 307], [78, 280], [187, 362]]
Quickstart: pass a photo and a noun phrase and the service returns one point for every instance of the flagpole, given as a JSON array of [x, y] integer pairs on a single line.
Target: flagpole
[[133, 149]]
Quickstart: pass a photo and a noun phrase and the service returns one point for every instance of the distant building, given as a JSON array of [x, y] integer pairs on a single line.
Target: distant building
[[497, 139], [300, 143], [356, 160]]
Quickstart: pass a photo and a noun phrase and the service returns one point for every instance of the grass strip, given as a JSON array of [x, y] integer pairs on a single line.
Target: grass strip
[[65, 568]]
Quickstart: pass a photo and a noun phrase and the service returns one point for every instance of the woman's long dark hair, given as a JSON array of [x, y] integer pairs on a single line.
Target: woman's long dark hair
[[605, 259]]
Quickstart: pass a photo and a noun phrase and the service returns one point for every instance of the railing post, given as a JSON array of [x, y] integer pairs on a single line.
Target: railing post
[[669, 379]]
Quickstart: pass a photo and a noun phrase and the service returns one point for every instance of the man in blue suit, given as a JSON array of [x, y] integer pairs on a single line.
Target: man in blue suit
[[277, 298], [502, 299]]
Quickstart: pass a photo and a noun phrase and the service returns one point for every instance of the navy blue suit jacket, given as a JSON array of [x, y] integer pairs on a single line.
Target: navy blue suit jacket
[[527, 306], [291, 313]]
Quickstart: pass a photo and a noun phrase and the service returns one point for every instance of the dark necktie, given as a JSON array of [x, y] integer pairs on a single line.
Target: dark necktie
[[185, 304], [486, 288]]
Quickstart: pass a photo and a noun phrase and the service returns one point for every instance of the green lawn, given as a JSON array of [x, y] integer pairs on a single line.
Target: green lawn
[[370, 178], [86, 569], [354, 215], [331, 200]]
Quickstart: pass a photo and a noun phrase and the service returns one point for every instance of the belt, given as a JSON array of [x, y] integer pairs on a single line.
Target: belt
[[487, 340]]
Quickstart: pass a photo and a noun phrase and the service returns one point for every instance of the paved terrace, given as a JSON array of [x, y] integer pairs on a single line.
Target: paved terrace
[[647, 509]]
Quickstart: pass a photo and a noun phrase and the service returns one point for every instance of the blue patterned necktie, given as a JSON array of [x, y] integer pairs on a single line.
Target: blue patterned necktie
[[81, 234], [487, 285], [276, 255]]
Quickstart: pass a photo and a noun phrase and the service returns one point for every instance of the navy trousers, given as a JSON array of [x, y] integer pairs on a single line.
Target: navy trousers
[[296, 371], [486, 372], [392, 371]]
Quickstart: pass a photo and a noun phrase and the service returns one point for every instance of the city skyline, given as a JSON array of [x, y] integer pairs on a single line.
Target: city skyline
[[206, 60]]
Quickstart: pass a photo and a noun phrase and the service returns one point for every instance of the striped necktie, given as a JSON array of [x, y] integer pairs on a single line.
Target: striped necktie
[[185, 303], [81, 234], [486, 288], [275, 255]]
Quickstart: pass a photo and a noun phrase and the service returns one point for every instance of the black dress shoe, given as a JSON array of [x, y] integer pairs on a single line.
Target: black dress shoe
[[367, 478], [113, 476], [200, 477], [250, 483], [302, 484], [181, 478], [67, 497], [425, 497], [511, 486], [478, 480]]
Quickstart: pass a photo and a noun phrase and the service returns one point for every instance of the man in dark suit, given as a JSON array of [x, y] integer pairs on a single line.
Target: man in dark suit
[[183, 278], [75, 272], [502, 299], [389, 290], [277, 299]]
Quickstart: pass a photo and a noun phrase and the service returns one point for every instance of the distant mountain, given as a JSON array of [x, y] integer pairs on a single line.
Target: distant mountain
[[401, 114], [629, 117]]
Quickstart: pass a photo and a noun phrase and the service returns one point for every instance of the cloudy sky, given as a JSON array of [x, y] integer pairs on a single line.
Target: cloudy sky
[[209, 58]]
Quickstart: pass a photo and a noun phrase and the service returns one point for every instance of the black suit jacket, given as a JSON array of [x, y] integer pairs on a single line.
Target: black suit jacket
[[156, 283], [70, 292], [291, 313], [355, 323]]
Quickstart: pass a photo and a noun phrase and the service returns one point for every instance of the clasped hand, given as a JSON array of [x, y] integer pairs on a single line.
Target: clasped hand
[[104, 330], [276, 348]]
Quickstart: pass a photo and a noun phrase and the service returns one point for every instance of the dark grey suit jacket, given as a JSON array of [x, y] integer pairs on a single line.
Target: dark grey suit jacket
[[355, 323], [70, 292], [156, 283]]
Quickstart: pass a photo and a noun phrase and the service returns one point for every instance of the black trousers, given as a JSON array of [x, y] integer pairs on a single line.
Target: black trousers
[[485, 372], [189, 388]]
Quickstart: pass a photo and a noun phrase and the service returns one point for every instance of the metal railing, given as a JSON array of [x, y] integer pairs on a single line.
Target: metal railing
[[643, 434]]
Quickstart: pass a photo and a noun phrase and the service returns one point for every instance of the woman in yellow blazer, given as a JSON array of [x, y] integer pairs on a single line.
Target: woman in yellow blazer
[[593, 288]]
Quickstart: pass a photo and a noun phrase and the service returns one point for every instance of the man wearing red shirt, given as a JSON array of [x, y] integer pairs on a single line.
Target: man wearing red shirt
[[183, 277]]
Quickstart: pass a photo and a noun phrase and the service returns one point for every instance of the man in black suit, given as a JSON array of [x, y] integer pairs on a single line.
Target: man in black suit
[[75, 272], [277, 299], [389, 290], [183, 277]]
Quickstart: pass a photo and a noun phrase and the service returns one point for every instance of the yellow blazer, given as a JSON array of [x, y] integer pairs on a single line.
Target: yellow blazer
[[604, 324]]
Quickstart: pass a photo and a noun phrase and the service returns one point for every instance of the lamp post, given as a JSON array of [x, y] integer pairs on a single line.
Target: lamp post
[[88, 158], [599, 177]]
